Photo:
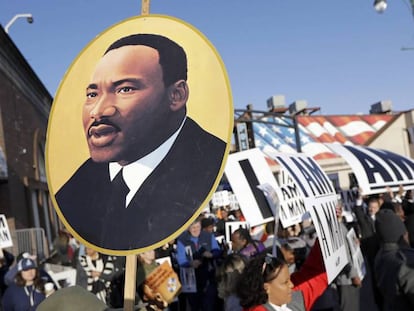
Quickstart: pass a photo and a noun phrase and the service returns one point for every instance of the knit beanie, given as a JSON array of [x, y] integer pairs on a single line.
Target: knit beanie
[[389, 227], [72, 298]]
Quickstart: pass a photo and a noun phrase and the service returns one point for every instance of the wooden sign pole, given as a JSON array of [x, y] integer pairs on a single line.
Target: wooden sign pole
[[145, 6], [131, 260], [130, 280]]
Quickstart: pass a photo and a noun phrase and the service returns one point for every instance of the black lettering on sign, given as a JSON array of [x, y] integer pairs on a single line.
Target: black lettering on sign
[[321, 234], [4, 235], [396, 163], [348, 198], [2, 222], [325, 214], [283, 214], [292, 174], [371, 166], [290, 191], [284, 178], [296, 207], [337, 239], [253, 183], [315, 177]]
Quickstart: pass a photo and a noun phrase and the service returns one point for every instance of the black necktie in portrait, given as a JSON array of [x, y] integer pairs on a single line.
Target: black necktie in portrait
[[119, 190]]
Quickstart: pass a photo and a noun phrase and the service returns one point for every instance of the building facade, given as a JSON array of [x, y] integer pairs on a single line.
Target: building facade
[[25, 105]]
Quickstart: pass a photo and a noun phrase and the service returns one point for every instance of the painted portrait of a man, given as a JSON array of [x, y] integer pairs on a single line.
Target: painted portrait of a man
[[151, 165]]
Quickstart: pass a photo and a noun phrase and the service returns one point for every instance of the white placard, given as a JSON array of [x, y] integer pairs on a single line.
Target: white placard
[[292, 203], [5, 236], [320, 200], [245, 190], [188, 280], [232, 226], [376, 169], [306, 174], [356, 253], [221, 198]]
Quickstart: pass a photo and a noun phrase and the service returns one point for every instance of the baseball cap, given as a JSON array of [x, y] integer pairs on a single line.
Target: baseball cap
[[26, 264]]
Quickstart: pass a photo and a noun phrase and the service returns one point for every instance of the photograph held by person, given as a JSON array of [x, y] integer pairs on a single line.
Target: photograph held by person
[[27, 291], [394, 263], [146, 153], [146, 265]]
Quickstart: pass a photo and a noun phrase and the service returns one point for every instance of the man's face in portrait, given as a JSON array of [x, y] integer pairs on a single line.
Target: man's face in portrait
[[126, 105]]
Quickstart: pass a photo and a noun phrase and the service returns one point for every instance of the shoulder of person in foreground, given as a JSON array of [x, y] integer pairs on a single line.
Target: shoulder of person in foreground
[[311, 278], [406, 275]]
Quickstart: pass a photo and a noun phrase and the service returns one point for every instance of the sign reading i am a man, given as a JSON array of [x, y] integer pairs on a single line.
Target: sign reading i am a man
[[376, 169], [291, 201], [320, 200], [5, 236], [245, 171]]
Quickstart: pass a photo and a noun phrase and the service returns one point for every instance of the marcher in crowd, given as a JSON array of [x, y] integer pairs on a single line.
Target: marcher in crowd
[[228, 276], [394, 263], [95, 272], [266, 285], [6, 260], [27, 291], [243, 243], [348, 282], [204, 251]]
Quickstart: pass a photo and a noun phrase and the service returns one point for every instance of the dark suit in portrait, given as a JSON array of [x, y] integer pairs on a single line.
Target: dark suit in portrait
[[165, 201]]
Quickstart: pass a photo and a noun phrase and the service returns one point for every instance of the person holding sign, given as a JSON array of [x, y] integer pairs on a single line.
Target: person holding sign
[[348, 282], [199, 250], [151, 166]]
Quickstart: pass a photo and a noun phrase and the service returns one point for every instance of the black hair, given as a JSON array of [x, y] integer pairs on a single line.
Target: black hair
[[244, 234], [172, 57], [259, 270], [228, 274]]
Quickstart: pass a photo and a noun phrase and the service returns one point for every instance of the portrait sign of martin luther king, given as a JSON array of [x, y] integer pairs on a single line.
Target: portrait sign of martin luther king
[[138, 135]]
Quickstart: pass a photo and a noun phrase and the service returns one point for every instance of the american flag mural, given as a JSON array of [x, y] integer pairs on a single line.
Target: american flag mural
[[277, 134]]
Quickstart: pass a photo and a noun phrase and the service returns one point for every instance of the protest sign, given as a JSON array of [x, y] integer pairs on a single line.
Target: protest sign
[[221, 198], [320, 200], [273, 201], [377, 169], [348, 198], [232, 226], [332, 243], [356, 253], [5, 236], [291, 201], [164, 281], [307, 174], [245, 171]]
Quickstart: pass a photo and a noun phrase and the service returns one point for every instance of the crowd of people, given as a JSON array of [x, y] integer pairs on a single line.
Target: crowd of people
[[253, 269]]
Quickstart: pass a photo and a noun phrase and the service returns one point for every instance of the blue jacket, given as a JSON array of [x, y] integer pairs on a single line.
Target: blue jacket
[[22, 298]]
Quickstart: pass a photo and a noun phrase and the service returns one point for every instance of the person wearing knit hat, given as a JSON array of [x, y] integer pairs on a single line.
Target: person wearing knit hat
[[71, 298], [388, 226], [27, 290], [76, 298], [394, 263]]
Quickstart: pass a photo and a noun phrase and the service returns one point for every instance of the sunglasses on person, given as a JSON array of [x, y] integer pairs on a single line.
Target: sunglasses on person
[[271, 264]]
